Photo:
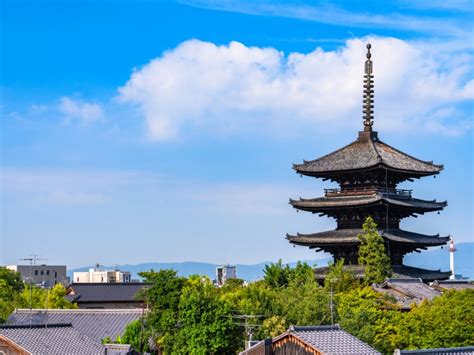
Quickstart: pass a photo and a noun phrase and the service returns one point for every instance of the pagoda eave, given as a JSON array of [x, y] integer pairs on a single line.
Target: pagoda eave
[[333, 206], [398, 271], [337, 175], [350, 236]]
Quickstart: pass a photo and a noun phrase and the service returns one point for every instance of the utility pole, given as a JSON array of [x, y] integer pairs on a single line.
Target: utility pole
[[32, 260]]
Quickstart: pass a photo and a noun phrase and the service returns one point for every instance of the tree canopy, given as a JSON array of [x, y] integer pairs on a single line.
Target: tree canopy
[[372, 254]]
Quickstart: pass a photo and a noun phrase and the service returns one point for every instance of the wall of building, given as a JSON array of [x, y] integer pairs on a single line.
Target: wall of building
[[42, 275], [101, 276]]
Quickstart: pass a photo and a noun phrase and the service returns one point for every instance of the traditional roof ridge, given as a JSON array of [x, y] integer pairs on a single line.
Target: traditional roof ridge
[[313, 328], [80, 310], [35, 325]]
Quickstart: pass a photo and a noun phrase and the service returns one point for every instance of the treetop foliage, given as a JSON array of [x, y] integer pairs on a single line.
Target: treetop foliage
[[372, 254]]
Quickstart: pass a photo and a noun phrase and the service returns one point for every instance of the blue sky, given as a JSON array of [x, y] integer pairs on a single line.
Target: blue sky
[[139, 131]]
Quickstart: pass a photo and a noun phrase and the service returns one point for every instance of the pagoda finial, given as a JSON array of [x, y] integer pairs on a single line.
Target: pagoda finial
[[368, 92]]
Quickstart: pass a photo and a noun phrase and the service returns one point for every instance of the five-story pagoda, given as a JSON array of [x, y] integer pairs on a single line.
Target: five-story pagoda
[[368, 172]]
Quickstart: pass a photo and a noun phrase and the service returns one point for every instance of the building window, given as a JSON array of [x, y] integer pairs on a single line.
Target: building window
[[42, 272], [55, 274], [78, 279], [47, 272], [36, 272]]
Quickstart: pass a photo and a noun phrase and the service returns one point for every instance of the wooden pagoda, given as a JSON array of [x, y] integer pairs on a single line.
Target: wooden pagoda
[[368, 172]]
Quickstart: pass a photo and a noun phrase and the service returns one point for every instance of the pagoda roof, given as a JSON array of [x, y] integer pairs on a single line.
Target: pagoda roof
[[349, 236], [347, 201], [398, 271], [366, 153]]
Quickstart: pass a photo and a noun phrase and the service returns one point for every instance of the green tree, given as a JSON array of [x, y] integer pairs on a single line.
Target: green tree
[[55, 298], [276, 274], [372, 254], [10, 289], [338, 279], [447, 321], [366, 315], [137, 335], [36, 297], [205, 322], [163, 299]]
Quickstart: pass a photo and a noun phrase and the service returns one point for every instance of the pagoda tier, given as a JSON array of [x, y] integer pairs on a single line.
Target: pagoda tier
[[367, 161], [398, 271], [350, 210], [344, 243]]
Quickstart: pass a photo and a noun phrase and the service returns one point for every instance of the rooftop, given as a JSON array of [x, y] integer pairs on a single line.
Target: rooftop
[[398, 272], [104, 292], [367, 152], [53, 339], [323, 203], [331, 340], [95, 323], [349, 236]]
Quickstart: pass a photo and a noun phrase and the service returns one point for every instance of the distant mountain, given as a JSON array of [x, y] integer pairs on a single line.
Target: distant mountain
[[439, 259], [246, 272], [430, 259]]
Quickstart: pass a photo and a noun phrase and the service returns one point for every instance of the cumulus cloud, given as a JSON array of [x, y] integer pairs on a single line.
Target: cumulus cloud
[[233, 86], [85, 112]]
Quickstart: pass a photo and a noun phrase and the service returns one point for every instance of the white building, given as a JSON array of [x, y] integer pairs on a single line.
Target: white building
[[225, 272], [41, 275], [96, 275]]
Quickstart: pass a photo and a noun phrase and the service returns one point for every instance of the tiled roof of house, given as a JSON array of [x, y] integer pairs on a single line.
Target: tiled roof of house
[[104, 292], [95, 323], [350, 236], [325, 339], [54, 339], [464, 350], [331, 340], [407, 291], [365, 153], [446, 285]]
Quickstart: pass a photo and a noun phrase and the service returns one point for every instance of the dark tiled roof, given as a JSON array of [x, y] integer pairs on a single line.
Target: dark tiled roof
[[104, 292], [54, 339], [453, 285], [95, 323], [366, 153], [398, 271], [407, 291], [331, 340], [325, 203], [349, 236], [465, 350]]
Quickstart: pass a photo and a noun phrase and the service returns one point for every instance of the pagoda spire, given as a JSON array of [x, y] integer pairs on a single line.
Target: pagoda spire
[[368, 97]]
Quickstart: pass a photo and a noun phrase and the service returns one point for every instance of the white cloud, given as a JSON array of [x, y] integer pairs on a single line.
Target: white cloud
[[237, 87], [324, 12], [83, 111]]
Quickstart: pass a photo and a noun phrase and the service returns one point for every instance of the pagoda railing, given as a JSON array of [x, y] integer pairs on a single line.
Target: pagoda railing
[[354, 191]]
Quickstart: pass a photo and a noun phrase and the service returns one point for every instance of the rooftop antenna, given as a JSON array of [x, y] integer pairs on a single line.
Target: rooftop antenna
[[32, 259], [368, 97]]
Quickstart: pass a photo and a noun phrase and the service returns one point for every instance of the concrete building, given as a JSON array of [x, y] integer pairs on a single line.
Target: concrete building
[[96, 275], [225, 272], [42, 275]]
